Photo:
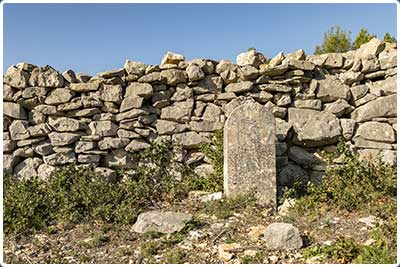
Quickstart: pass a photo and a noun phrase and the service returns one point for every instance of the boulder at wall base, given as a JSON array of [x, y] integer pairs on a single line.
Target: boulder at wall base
[[162, 222]]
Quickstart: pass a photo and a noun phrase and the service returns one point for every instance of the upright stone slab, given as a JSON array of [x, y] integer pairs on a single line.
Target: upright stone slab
[[249, 153]]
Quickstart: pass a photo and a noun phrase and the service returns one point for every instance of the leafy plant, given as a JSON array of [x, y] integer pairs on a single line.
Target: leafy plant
[[335, 40], [214, 150]]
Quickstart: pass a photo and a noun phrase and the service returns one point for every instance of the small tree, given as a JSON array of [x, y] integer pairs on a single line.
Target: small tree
[[362, 37], [335, 40], [389, 39]]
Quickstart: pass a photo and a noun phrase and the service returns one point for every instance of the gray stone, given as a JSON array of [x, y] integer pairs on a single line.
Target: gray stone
[[131, 114], [388, 59], [331, 89], [314, 128], [210, 84], [39, 130], [376, 131], [386, 156], [309, 104], [273, 71], [206, 126], [59, 96], [382, 107], [85, 87], [173, 76], [189, 139], [82, 77], [249, 153], [383, 87], [118, 158], [282, 128], [23, 152], [276, 60], [82, 146], [112, 143], [334, 60], [9, 146], [204, 170], [16, 77], [372, 48], [75, 103], [46, 77], [14, 110], [8, 92], [350, 77], [19, 130], [69, 76], [169, 127], [88, 158], [46, 109], [28, 168], [239, 87], [131, 102], [60, 158], [108, 174], [64, 124], [137, 144], [282, 99], [45, 171], [348, 126], [122, 133], [362, 143], [172, 58], [299, 64], [63, 139], [292, 173], [339, 108], [103, 128], [303, 157], [163, 222], [359, 91], [44, 148], [31, 141], [111, 93], [247, 73], [280, 88], [279, 112], [194, 72], [149, 78], [282, 236], [139, 89], [251, 57], [9, 161], [178, 111], [135, 67], [281, 149], [183, 92], [111, 73], [31, 92]]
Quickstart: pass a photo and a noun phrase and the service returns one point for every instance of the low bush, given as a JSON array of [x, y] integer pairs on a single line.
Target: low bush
[[77, 193]]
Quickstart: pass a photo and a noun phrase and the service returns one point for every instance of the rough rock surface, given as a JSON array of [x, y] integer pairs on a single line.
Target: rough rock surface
[[281, 236], [162, 222]]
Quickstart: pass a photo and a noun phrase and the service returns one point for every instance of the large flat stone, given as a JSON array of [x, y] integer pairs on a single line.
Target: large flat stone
[[249, 153]]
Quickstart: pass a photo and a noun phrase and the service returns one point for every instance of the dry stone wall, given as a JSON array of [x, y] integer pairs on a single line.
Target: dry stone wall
[[52, 118]]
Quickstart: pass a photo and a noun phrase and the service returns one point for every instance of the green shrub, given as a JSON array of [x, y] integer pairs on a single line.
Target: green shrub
[[214, 150], [226, 207], [77, 193], [362, 186]]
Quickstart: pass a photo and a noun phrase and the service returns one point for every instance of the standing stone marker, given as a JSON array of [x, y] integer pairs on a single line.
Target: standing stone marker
[[249, 153]]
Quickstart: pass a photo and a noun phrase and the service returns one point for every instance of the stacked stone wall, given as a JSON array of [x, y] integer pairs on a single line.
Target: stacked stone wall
[[52, 119]]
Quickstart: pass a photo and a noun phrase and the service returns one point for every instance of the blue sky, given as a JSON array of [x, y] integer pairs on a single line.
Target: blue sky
[[91, 38]]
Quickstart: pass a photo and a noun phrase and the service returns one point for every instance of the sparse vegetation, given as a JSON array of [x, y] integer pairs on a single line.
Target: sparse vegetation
[[228, 206], [356, 185]]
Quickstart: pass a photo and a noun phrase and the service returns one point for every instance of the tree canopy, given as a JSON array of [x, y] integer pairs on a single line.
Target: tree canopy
[[337, 40]]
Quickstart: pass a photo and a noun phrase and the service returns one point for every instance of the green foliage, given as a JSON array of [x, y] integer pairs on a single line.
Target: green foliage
[[362, 37], [335, 40], [389, 39], [251, 48], [226, 207], [353, 185], [357, 185], [175, 256], [214, 150], [75, 194], [342, 251], [258, 258]]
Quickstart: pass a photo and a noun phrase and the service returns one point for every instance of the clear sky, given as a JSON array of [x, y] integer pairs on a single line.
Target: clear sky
[[92, 38]]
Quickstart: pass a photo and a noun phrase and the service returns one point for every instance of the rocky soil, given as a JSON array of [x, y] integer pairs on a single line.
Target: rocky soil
[[237, 237]]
